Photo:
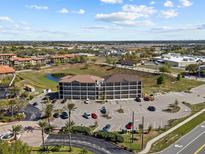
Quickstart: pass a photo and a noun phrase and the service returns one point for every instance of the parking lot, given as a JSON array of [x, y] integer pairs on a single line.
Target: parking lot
[[118, 120]]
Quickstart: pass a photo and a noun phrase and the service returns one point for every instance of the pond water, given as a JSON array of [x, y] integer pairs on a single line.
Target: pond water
[[50, 77]]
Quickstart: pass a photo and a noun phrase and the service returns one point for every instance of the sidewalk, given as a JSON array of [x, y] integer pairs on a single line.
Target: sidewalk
[[149, 144]]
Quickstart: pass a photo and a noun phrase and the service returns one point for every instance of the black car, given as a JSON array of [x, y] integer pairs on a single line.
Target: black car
[[103, 110], [151, 108], [106, 128], [137, 99], [56, 115], [35, 104], [63, 101], [64, 115]]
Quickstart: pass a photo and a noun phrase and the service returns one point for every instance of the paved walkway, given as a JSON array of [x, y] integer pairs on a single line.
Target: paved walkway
[[151, 142]]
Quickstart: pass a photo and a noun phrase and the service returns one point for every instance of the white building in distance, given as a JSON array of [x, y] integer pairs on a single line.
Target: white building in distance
[[178, 60]]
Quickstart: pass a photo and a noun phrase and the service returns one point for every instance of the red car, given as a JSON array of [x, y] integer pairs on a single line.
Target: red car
[[94, 115], [129, 125]]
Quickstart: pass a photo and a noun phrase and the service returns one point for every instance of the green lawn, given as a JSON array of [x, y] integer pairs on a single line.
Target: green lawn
[[136, 145], [38, 78], [63, 150], [181, 131]]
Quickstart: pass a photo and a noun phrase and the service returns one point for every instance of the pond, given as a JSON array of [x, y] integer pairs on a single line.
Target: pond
[[51, 77]]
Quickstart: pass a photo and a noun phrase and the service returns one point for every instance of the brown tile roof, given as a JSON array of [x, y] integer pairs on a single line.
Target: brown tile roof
[[81, 79], [20, 59], [6, 69], [121, 78]]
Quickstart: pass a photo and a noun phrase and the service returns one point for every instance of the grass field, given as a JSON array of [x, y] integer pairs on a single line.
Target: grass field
[[136, 145], [38, 78], [62, 150]]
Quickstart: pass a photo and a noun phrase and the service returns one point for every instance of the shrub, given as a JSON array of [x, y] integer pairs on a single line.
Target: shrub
[[110, 136], [81, 130]]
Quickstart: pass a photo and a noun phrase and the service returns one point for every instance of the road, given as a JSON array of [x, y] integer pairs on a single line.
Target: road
[[192, 143], [97, 146]]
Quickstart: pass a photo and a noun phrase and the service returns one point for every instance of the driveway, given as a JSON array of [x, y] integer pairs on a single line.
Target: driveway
[[97, 146]]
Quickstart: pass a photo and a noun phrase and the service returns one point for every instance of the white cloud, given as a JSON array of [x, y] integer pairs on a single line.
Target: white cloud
[[128, 13], [169, 14], [5, 18], [112, 1], [37, 7], [63, 11], [166, 29], [169, 4], [81, 11], [186, 3]]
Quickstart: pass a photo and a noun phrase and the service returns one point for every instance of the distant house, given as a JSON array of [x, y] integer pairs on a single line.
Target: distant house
[[38, 61], [20, 61], [61, 58], [6, 70], [4, 58]]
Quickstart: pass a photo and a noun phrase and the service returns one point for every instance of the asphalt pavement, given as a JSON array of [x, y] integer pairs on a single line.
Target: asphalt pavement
[[191, 143], [97, 146]]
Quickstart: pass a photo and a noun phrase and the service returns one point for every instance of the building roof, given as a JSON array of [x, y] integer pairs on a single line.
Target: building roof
[[20, 59], [6, 69], [121, 78], [81, 79]]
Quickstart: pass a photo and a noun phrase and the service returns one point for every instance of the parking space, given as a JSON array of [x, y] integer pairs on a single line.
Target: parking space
[[156, 119]]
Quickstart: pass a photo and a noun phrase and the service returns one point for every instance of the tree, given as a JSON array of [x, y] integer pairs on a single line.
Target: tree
[[160, 79], [70, 107], [16, 129], [12, 105], [179, 77], [42, 125], [48, 112], [165, 69], [192, 68], [17, 147]]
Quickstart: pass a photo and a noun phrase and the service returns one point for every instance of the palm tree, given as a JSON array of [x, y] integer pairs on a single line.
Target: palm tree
[[48, 112], [16, 129], [42, 125], [12, 104], [70, 107]]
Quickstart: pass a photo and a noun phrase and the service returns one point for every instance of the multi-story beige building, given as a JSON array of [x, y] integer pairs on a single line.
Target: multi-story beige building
[[117, 86]]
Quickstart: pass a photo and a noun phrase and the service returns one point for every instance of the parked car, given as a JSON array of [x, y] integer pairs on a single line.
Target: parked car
[[103, 110], [54, 101], [86, 115], [86, 101], [129, 125], [63, 101], [64, 115], [151, 108], [138, 99], [56, 115], [149, 98], [106, 128], [94, 115], [35, 104]]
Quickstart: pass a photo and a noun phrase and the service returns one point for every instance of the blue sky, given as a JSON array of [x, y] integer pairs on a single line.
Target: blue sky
[[102, 19]]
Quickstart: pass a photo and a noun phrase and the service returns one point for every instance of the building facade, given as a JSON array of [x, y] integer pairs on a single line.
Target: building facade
[[117, 86]]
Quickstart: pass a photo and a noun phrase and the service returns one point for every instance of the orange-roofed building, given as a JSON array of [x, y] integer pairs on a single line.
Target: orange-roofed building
[[20, 61], [4, 70]]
